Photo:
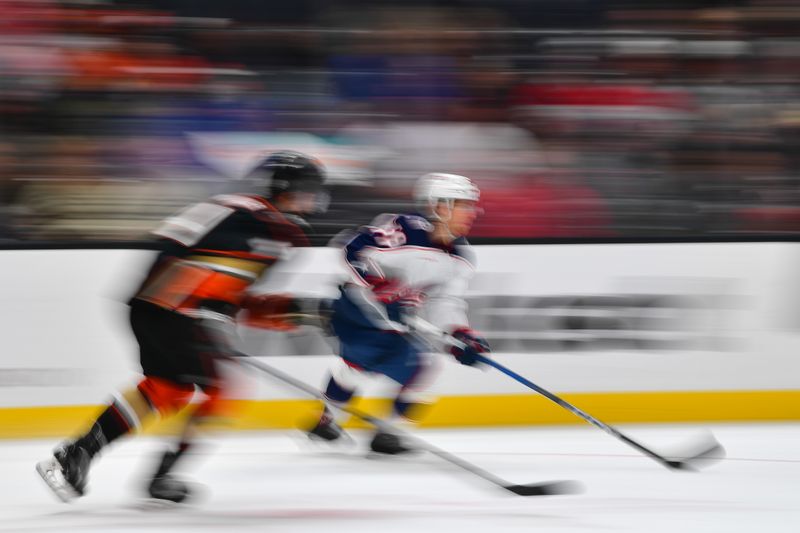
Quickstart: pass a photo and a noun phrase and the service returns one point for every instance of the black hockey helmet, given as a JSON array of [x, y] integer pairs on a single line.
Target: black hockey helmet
[[290, 171]]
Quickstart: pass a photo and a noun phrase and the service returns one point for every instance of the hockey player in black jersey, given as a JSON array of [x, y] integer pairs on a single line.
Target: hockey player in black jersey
[[212, 252]]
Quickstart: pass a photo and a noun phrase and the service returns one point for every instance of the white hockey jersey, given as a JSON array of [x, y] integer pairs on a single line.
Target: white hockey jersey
[[394, 265]]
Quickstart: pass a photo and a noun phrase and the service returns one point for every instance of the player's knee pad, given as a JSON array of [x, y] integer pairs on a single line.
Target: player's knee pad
[[164, 396]]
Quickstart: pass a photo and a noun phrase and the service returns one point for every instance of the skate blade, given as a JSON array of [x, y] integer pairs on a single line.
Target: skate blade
[[314, 442], [411, 453], [195, 492], [345, 441], [50, 472], [151, 503], [156, 504]]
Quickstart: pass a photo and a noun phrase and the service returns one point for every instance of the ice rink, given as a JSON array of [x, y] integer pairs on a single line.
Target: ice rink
[[276, 481]]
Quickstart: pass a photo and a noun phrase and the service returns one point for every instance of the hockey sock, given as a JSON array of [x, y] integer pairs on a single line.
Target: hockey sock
[[411, 403], [117, 420], [170, 458], [337, 395], [413, 411]]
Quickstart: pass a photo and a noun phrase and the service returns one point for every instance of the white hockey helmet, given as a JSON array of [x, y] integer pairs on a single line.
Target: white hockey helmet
[[436, 187]]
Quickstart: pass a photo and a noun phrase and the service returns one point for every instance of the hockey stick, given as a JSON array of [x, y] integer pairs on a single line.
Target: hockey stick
[[545, 488], [708, 451]]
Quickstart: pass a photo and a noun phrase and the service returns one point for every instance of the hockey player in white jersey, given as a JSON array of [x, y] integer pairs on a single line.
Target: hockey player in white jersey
[[399, 266]]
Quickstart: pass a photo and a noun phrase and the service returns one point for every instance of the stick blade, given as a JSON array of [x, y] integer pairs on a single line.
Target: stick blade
[[700, 455], [547, 488]]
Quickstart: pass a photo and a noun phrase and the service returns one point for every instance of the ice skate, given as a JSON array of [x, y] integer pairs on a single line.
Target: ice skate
[[164, 485], [66, 473], [167, 487], [327, 430], [389, 444]]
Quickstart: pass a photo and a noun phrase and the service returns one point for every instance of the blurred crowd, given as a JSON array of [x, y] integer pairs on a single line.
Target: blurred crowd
[[577, 118]]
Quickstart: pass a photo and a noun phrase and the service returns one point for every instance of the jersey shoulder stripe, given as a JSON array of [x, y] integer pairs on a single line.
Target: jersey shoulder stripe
[[242, 201]]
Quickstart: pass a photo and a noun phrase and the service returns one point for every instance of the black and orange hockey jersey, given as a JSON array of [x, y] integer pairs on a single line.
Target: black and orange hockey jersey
[[214, 251]]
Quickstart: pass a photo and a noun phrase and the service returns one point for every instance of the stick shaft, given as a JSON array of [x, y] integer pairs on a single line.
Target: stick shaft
[[379, 423], [426, 327], [576, 411]]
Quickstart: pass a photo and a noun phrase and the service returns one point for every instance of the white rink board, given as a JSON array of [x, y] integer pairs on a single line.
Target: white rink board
[[67, 342]]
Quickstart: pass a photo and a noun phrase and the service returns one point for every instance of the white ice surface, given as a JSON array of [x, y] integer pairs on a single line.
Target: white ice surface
[[276, 482]]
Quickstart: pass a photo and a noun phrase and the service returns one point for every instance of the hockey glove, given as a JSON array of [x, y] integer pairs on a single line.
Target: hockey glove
[[474, 345]]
